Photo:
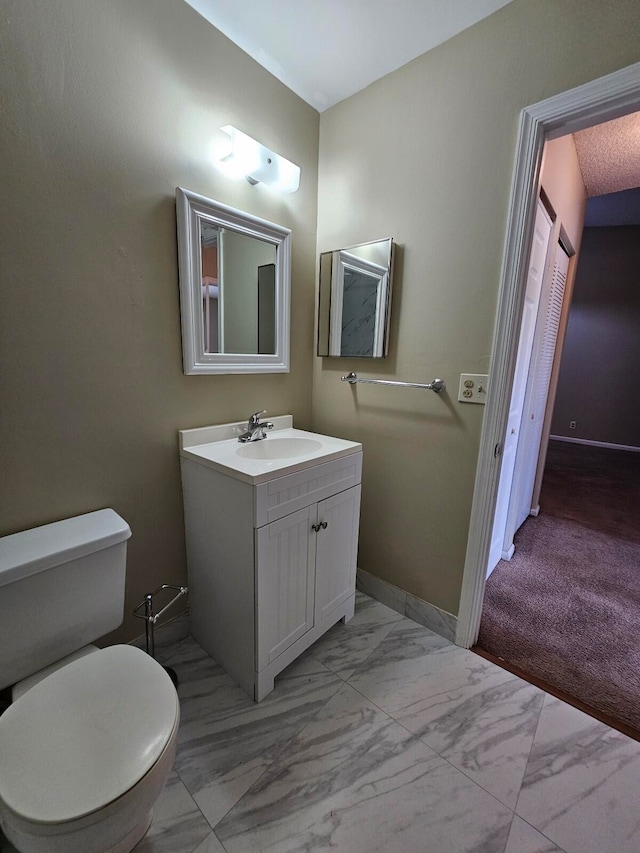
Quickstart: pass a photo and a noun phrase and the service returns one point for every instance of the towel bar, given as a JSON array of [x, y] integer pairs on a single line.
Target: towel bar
[[437, 385]]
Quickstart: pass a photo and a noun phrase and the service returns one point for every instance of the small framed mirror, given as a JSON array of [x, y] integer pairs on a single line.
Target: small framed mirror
[[235, 274], [355, 300]]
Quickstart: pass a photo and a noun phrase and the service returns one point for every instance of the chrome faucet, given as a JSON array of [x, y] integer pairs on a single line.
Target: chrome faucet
[[256, 429]]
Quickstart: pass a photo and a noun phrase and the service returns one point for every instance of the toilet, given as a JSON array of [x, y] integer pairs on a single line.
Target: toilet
[[89, 739]]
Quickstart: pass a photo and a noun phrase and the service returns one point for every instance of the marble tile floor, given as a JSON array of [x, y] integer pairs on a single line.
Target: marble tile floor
[[386, 737]]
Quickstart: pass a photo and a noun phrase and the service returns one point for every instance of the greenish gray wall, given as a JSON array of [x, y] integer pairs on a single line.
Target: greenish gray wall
[[106, 108], [426, 155]]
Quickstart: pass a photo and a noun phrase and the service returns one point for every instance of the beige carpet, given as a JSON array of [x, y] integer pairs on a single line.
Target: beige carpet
[[566, 608], [597, 486]]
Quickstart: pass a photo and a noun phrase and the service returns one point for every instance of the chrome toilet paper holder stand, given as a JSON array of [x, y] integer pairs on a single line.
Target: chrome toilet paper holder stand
[[145, 611]]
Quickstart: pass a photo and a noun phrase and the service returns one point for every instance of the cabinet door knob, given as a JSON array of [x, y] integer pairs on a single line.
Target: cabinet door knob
[[315, 527], [322, 525]]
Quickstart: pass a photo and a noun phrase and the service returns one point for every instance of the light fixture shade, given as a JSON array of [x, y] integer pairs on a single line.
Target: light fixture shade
[[249, 159]]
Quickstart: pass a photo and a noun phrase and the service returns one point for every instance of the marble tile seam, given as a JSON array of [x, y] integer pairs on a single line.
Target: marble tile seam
[[553, 844], [453, 766], [457, 650], [199, 845], [211, 844], [217, 839], [400, 765], [340, 682], [232, 805], [400, 716], [471, 778], [277, 754], [391, 625], [177, 772], [362, 663], [526, 766], [313, 718]]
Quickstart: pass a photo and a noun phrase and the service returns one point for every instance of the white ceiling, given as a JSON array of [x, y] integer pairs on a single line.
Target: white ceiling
[[609, 155], [326, 50]]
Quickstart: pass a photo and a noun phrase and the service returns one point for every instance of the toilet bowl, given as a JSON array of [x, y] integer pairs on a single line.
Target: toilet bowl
[[89, 740], [85, 753]]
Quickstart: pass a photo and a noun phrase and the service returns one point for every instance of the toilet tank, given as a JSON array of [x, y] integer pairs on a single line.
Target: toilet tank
[[61, 586]]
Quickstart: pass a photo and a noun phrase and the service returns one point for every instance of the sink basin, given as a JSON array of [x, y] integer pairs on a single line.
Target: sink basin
[[278, 448], [284, 451]]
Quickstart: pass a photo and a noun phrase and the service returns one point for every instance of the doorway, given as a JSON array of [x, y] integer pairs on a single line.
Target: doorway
[[604, 99], [563, 613]]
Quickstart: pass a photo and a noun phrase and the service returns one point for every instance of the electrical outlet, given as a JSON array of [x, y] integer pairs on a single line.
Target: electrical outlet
[[473, 388], [572, 424]]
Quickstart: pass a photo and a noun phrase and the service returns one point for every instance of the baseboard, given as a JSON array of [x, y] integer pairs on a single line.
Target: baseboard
[[422, 612], [535, 511], [508, 554], [629, 447]]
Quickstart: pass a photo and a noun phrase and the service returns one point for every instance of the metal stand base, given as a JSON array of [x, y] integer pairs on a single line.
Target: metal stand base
[[173, 675], [145, 611]]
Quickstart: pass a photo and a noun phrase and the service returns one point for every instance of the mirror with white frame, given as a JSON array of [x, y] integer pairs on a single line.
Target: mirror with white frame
[[354, 305], [235, 274]]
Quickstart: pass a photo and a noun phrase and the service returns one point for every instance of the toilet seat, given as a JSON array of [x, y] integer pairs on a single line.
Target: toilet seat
[[85, 735]]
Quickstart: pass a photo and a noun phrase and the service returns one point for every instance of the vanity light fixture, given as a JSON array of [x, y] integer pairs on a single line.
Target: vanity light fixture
[[251, 160]]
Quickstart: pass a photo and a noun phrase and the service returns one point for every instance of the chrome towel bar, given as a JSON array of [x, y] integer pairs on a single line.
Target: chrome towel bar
[[437, 385]]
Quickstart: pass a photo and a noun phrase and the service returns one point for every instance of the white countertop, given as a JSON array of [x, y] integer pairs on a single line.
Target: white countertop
[[218, 447]]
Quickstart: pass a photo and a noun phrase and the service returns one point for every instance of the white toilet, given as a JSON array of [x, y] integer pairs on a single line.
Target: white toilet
[[90, 737]]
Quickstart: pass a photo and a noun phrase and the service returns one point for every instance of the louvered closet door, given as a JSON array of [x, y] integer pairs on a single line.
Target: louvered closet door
[[540, 387], [524, 360]]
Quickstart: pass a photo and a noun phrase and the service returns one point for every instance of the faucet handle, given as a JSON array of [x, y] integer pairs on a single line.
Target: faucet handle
[[254, 419]]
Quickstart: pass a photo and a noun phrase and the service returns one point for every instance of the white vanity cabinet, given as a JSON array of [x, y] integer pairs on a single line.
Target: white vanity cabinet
[[271, 565], [323, 539]]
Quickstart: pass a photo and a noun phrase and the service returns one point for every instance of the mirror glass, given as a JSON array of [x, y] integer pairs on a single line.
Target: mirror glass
[[234, 289], [355, 300]]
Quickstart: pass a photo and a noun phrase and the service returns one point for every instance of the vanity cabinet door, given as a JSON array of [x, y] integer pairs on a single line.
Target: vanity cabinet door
[[336, 551], [284, 583]]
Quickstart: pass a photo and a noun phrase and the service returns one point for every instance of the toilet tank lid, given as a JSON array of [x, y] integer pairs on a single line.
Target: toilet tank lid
[[32, 551]]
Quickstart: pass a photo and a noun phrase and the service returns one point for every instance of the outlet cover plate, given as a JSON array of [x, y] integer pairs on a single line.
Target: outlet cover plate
[[473, 388]]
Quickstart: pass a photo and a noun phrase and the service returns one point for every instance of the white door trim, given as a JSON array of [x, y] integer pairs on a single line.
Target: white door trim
[[600, 100]]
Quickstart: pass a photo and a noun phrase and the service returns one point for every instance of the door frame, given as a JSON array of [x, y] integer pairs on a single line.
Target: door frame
[[601, 100]]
